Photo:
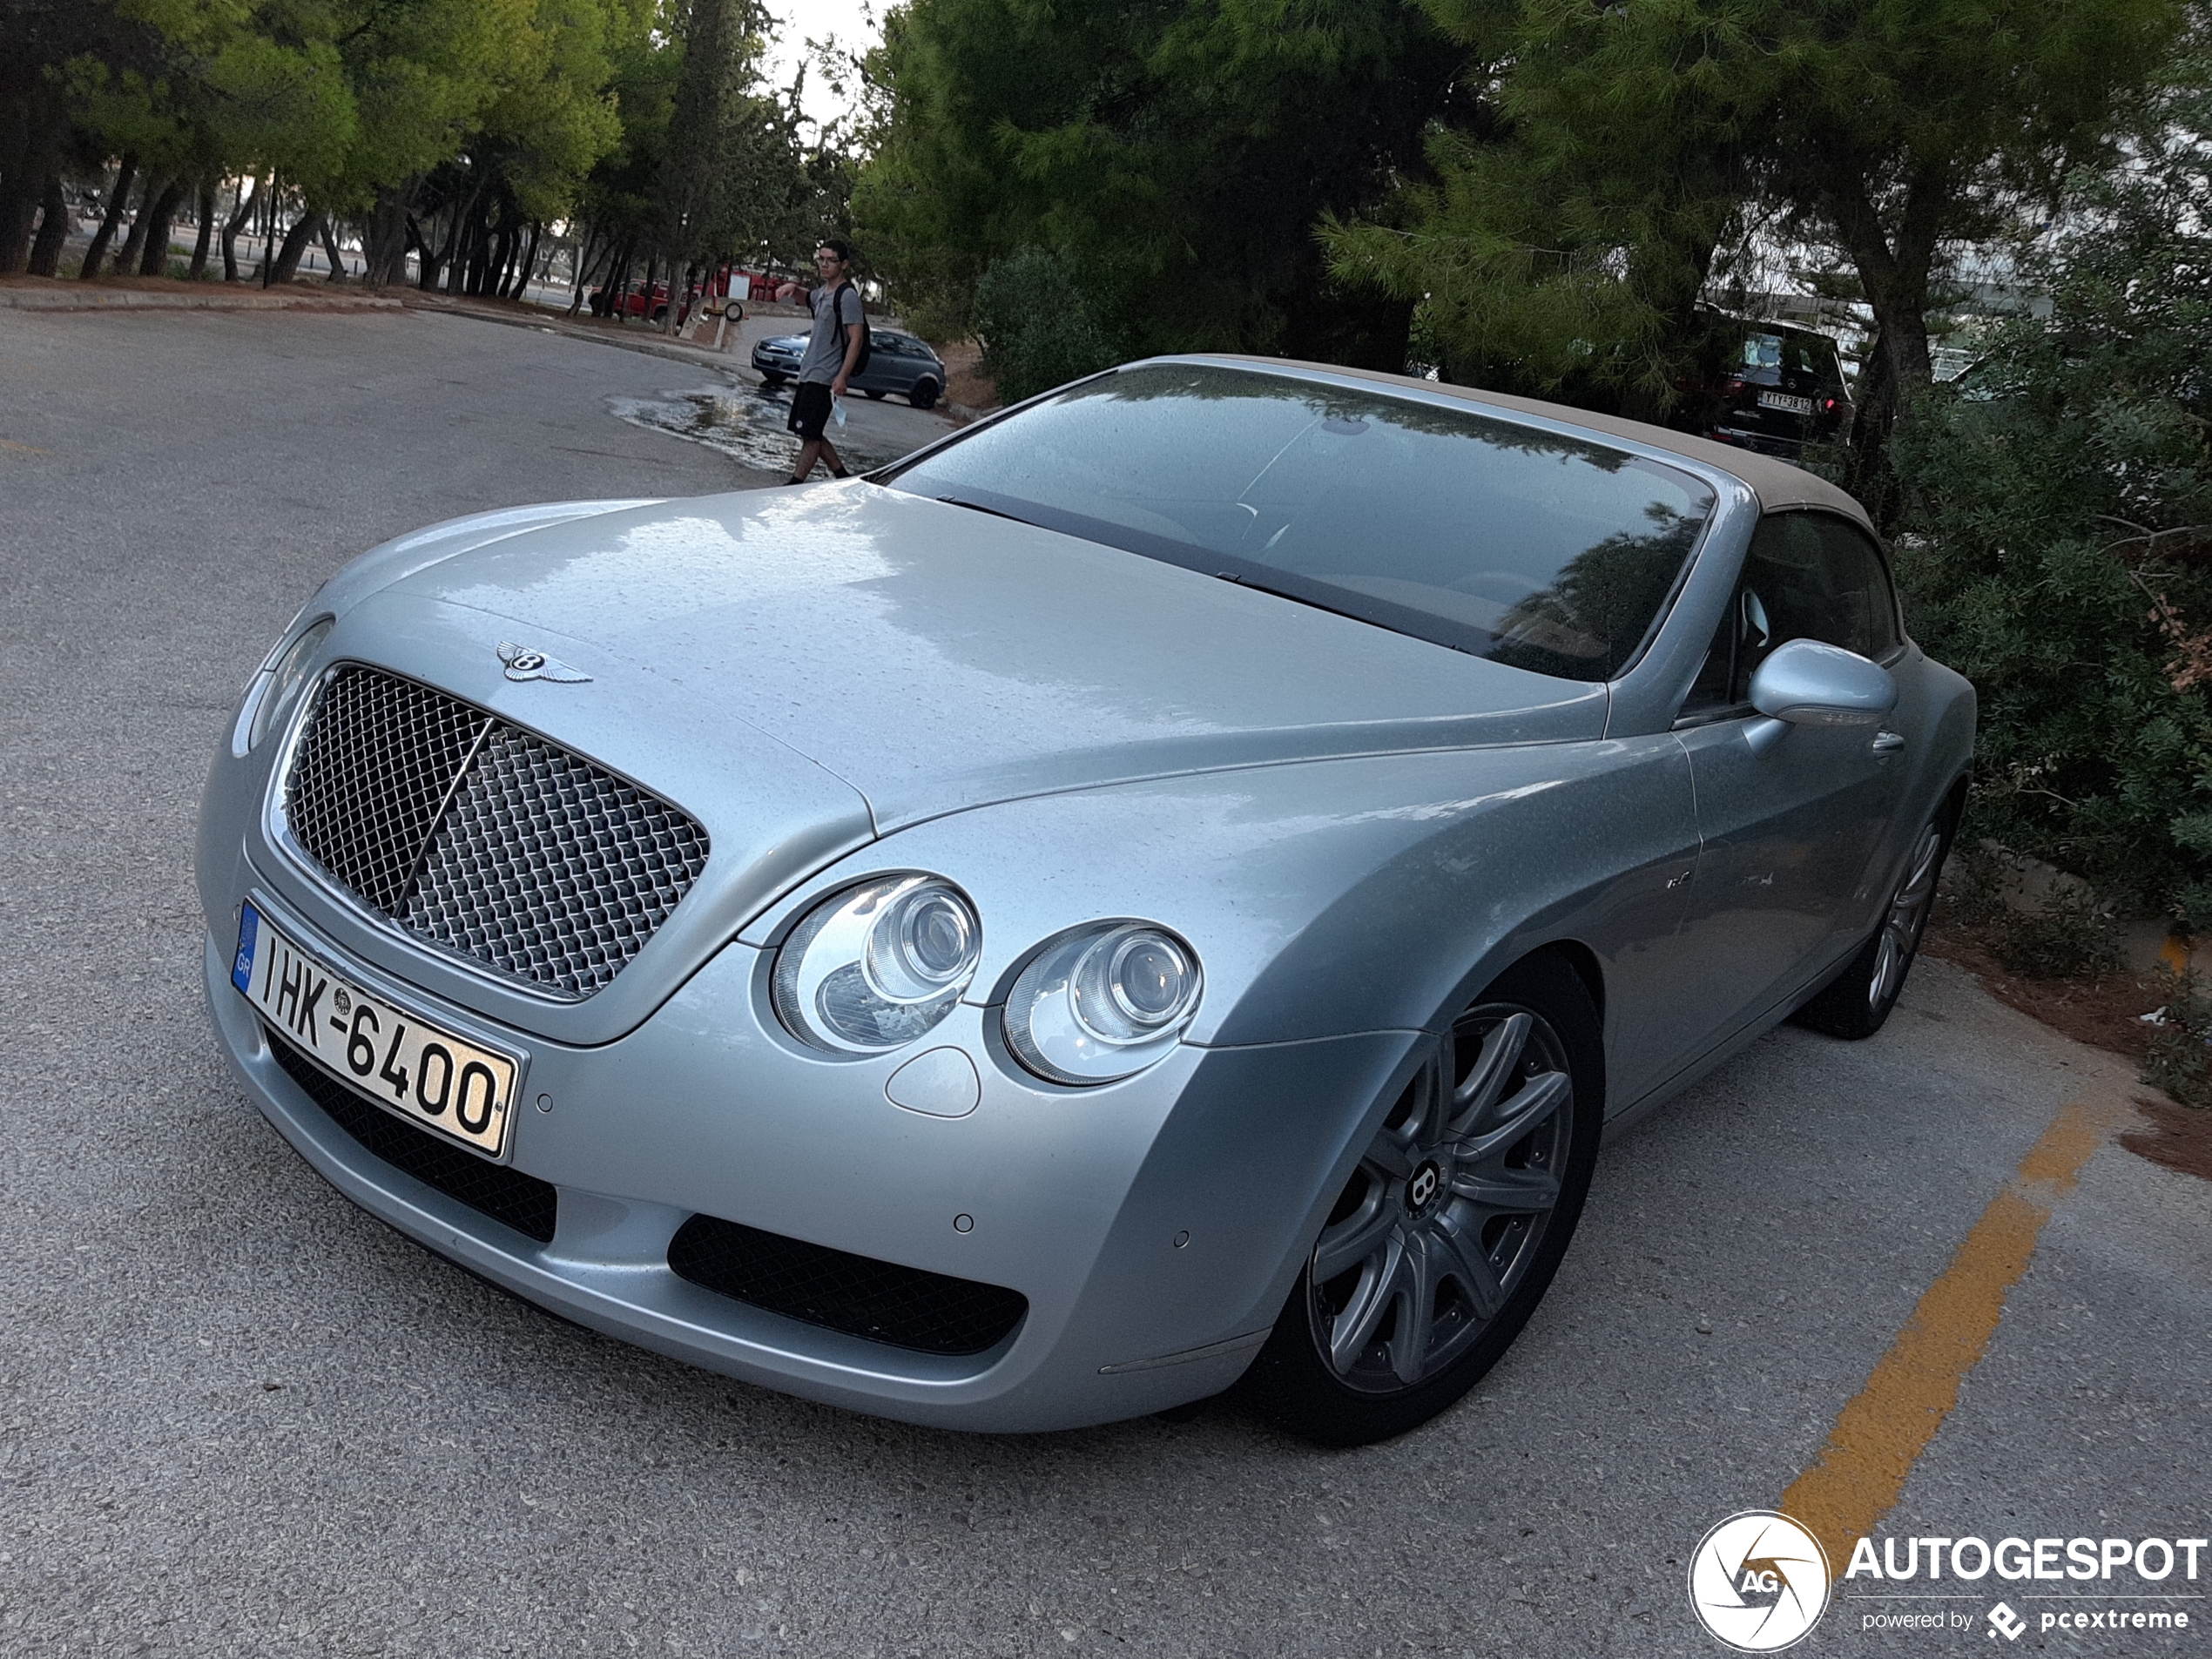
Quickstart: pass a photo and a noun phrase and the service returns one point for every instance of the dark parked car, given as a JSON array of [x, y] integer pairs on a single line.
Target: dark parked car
[[1776, 389], [897, 363]]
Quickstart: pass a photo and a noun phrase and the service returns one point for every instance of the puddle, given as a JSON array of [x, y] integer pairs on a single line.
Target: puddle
[[745, 424]]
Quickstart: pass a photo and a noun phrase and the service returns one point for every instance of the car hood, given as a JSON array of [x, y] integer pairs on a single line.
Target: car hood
[[935, 657]]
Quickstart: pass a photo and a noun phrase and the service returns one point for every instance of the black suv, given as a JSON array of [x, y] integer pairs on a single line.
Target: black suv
[[1772, 387]]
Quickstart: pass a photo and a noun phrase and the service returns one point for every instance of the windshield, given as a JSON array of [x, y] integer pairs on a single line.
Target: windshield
[[1766, 356], [1545, 552]]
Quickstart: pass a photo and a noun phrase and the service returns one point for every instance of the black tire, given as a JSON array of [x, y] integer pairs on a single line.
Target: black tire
[[1482, 1095], [771, 382], [873, 393], [1857, 1003], [924, 394]]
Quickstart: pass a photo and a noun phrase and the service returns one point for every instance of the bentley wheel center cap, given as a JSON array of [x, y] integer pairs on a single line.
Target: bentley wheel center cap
[[1422, 1187]]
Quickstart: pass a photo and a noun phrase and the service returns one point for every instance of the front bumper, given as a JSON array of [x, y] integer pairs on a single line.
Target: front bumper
[[1154, 1225]]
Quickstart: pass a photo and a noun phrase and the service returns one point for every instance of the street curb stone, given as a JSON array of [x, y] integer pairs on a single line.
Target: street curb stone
[[69, 297]]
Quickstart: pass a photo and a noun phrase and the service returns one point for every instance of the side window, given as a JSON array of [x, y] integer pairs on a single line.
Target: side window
[[1862, 603], [1807, 576]]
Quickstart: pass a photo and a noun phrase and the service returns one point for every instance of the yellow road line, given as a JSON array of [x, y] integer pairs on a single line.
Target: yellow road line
[[10, 444], [1881, 1432]]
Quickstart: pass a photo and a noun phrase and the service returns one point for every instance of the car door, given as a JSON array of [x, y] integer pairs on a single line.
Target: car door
[[889, 369], [1795, 822]]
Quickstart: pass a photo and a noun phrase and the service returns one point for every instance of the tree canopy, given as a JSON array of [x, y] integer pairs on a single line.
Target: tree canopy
[[1640, 151], [2056, 537], [445, 128], [1172, 157]]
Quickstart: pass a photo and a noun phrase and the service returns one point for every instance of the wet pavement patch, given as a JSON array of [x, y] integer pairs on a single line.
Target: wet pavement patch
[[746, 423]]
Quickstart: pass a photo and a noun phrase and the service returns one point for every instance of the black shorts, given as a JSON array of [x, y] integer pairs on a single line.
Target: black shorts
[[810, 410]]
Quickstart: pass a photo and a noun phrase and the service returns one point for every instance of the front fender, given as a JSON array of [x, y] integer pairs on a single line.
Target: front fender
[[1331, 898]]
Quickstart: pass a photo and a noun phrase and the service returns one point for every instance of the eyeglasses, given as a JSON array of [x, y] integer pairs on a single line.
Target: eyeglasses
[[827, 259]]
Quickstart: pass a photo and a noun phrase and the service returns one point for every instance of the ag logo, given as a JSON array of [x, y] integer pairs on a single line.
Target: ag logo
[[1759, 1581]]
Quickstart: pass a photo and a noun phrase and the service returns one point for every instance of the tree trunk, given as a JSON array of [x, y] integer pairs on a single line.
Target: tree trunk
[[248, 191], [126, 262], [530, 261], [675, 295], [118, 196], [446, 260], [1893, 275], [28, 177], [207, 238], [619, 279], [269, 199], [460, 244], [295, 243], [384, 239], [53, 230], [332, 251], [153, 259]]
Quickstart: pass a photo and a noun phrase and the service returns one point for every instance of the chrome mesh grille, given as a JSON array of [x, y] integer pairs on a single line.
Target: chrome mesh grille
[[372, 774], [483, 839], [549, 868]]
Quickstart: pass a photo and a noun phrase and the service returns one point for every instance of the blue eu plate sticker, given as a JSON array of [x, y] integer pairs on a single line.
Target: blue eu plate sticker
[[249, 932]]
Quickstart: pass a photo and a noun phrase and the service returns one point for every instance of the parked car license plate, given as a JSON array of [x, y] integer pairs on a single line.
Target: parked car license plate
[[419, 1070], [1785, 402]]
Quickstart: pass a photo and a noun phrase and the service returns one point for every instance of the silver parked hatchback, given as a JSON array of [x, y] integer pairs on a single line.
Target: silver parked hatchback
[[903, 365], [1162, 890]]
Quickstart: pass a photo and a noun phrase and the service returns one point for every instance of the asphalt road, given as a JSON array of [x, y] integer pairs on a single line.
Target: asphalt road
[[237, 1415]]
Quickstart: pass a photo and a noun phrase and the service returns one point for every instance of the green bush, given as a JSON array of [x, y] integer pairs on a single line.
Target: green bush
[[2178, 1059], [2057, 542], [2066, 937], [1036, 328]]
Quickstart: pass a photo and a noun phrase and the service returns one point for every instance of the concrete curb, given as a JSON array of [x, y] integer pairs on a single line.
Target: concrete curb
[[555, 323], [68, 296]]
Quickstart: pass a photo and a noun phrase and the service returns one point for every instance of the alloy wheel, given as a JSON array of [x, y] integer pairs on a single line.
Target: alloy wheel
[[1444, 1217], [1908, 913]]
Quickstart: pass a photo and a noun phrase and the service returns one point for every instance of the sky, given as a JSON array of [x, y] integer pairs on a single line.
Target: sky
[[852, 22]]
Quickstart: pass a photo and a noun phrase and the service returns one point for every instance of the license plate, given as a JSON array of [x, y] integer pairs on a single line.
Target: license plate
[[1786, 403], [421, 1071]]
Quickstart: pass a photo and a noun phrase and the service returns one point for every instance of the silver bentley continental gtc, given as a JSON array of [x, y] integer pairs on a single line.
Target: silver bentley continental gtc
[[1162, 890]]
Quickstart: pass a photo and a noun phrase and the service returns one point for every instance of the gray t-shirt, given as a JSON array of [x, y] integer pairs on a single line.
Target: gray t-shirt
[[824, 350]]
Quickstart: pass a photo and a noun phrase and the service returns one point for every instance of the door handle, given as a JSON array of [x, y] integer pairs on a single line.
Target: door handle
[[1887, 743]]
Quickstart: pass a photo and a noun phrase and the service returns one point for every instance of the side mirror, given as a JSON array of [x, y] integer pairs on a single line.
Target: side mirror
[[1805, 683]]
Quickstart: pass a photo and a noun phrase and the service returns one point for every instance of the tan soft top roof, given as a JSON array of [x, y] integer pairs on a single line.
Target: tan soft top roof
[[1777, 484]]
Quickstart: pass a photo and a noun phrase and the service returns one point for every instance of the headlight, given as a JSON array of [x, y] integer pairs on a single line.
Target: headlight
[[284, 681], [878, 965], [1102, 1001]]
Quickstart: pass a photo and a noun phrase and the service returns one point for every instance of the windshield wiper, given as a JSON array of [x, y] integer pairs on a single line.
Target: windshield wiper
[[978, 507], [1303, 599]]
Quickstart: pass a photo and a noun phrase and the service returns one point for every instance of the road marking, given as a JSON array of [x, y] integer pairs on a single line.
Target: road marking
[[1881, 1432], [10, 444]]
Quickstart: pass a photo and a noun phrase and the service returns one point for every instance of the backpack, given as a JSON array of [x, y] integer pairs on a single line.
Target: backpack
[[868, 334]]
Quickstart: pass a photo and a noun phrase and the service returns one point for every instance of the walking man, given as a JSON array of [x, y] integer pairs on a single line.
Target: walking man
[[833, 352]]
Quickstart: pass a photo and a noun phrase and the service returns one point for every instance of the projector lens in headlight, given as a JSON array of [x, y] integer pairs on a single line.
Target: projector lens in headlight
[[876, 966], [1102, 1001]]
